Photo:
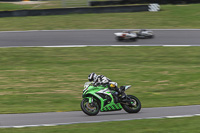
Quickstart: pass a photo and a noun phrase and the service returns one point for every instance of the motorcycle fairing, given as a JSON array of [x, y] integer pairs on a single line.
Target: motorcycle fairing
[[104, 95]]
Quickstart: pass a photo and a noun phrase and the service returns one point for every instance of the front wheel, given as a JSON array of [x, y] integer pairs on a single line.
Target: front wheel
[[90, 108], [134, 107]]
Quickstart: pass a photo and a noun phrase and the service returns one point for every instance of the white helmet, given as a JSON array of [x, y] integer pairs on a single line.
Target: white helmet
[[92, 76]]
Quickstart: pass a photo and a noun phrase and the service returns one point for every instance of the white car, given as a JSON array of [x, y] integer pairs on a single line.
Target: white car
[[133, 35], [126, 35], [144, 33]]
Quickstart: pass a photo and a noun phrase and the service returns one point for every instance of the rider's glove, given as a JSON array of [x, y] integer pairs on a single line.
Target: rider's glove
[[97, 84]]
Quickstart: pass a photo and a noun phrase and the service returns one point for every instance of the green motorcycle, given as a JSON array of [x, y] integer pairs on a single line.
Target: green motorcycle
[[101, 98]]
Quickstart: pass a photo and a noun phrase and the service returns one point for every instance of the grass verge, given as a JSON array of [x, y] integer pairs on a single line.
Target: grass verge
[[51, 79], [10, 7], [171, 16], [45, 4], [176, 125]]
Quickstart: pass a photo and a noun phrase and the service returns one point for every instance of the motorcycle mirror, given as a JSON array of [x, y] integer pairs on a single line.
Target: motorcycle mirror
[[127, 87]]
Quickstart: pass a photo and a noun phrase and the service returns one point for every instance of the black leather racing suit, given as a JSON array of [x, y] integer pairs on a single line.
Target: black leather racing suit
[[102, 80]]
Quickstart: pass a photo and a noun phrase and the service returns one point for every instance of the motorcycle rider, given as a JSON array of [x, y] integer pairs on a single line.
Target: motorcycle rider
[[102, 80]]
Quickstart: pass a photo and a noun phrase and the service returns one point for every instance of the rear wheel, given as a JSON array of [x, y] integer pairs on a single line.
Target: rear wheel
[[134, 107], [119, 38], [90, 108], [133, 39], [151, 36]]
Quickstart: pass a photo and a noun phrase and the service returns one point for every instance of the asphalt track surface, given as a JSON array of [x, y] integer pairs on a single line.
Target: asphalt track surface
[[65, 118], [64, 38]]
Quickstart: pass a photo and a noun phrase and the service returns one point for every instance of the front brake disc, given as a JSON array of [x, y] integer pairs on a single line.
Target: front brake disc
[[88, 105]]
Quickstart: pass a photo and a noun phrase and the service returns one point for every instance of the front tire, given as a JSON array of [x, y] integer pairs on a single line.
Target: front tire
[[90, 109], [135, 108]]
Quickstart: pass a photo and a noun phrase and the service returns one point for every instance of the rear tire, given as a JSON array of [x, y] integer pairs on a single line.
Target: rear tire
[[132, 109], [152, 36], [119, 39], [133, 39], [88, 108]]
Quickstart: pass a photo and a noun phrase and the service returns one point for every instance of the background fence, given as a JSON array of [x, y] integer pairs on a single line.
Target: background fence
[[51, 4], [82, 3], [64, 11]]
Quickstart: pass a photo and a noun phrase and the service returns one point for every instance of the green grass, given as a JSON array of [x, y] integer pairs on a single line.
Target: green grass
[[11, 7], [178, 125], [51, 79], [171, 16], [44, 4]]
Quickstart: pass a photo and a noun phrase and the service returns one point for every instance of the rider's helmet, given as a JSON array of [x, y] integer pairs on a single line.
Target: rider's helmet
[[92, 76]]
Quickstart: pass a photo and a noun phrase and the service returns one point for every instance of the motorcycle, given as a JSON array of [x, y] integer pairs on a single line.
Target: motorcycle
[[100, 98]]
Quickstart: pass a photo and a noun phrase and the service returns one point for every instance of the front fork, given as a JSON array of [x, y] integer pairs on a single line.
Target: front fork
[[128, 101], [90, 99]]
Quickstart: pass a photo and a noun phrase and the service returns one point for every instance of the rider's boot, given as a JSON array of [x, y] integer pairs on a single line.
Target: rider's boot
[[122, 95], [115, 95]]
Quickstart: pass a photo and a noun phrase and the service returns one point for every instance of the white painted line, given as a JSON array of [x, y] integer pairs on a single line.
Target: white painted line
[[124, 45], [104, 30], [176, 45], [48, 125], [18, 126], [177, 29], [143, 45], [63, 46], [179, 116]]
